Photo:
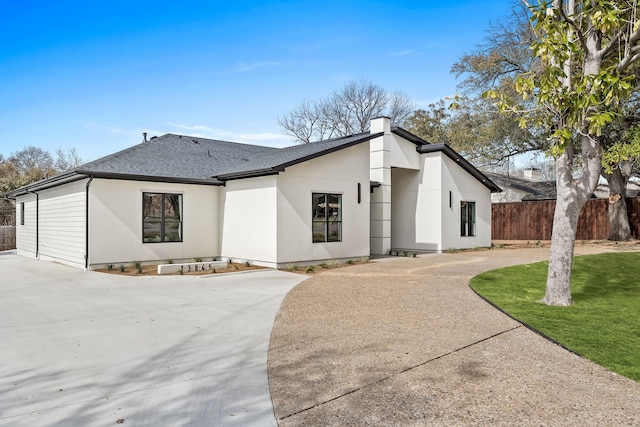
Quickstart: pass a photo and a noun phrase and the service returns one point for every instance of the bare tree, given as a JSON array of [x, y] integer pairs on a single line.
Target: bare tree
[[67, 160], [346, 111]]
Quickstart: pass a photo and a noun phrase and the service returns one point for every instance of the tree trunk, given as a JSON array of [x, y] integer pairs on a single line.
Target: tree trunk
[[618, 216], [563, 235], [572, 194]]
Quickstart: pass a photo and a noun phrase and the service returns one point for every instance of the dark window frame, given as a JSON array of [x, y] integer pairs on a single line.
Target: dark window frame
[[163, 233], [467, 219], [326, 218], [21, 213]]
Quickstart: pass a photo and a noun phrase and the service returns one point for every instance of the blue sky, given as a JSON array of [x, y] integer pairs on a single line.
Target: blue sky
[[95, 75]]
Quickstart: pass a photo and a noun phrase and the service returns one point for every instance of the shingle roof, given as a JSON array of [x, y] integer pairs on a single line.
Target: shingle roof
[[176, 156], [536, 190], [180, 158]]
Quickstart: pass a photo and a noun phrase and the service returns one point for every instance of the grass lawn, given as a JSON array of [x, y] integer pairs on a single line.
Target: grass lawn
[[603, 324]]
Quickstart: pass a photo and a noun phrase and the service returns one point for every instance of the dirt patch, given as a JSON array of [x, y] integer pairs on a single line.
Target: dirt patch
[[631, 245], [152, 270]]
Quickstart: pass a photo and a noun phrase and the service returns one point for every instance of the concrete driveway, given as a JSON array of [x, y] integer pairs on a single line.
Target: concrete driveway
[[83, 348]]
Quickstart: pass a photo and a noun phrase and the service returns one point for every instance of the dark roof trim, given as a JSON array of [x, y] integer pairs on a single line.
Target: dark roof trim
[[282, 166], [45, 183], [80, 174], [408, 136], [453, 155], [149, 178]]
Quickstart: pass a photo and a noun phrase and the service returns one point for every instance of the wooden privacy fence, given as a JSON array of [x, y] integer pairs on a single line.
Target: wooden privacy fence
[[534, 220], [7, 237]]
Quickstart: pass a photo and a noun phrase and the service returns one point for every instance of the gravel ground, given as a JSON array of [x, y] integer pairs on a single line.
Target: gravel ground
[[405, 341]]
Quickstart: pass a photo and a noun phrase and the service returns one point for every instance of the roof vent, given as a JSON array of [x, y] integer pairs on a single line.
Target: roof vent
[[144, 137]]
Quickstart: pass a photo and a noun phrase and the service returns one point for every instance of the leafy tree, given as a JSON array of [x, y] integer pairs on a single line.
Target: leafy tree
[[345, 112], [587, 51]]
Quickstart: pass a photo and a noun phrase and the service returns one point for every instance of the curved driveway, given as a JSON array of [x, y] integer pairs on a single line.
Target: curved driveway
[[89, 349], [408, 343]]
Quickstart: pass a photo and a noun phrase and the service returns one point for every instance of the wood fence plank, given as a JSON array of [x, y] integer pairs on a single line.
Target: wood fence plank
[[534, 220]]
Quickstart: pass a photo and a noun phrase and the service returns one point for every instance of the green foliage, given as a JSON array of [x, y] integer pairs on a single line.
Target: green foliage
[[602, 325], [588, 44], [310, 269], [350, 262], [197, 259], [122, 268], [292, 266], [247, 263], [364, 259], [109, 267], [334, 263]]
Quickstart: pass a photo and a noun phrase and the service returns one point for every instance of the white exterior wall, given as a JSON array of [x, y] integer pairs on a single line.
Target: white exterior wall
[[26, 234], [62, 224], [115, 236], [335, 173], [417, 206], [249, 220], [464, 187]]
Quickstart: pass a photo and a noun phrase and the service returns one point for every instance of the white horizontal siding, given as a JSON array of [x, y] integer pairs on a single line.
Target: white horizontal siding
[[26, 234], [62, 223]]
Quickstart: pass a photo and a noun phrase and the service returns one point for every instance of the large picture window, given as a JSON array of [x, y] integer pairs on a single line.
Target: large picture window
[[327, 217], [161, 217], [467, 218]]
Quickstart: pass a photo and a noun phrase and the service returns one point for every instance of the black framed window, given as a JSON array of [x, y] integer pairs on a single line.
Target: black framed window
[[161, 217], [468, 218], [21, 213], [327, 217]]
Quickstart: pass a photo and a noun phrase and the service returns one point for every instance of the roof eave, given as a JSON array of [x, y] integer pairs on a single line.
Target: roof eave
[[282, 166], [464, 164], [409, 136], [150, 178], [60, 179]]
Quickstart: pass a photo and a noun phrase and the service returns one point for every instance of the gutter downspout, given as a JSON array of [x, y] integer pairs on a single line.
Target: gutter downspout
[[37, 222], [86, 213]]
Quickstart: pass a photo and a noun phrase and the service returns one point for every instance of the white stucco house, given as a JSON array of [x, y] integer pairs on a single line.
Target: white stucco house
[[179, 197]]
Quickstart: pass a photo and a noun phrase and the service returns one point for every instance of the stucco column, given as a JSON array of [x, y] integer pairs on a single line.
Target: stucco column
[[380, 151]]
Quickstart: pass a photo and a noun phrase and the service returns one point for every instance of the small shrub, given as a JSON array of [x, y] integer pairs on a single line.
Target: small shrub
[[292, 266], [324, 265], [405, 253], [213, 270], [122, 268], [310, 269], [364, 259], [247, 263], [235, 266], [415, 254], [109, 267], [138, 266], [197, 259], [350, 262], [334, 264], [169, 261], [180, 272]]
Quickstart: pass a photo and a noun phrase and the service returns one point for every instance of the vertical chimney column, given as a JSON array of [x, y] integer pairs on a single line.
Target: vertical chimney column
[[380, 171]]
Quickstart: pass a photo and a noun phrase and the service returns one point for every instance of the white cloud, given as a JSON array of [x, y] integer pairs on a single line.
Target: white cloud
[[245, 67], [406, 52], [269, 139]]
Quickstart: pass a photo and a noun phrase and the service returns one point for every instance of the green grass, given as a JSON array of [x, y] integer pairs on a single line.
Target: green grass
[[603, 324]]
